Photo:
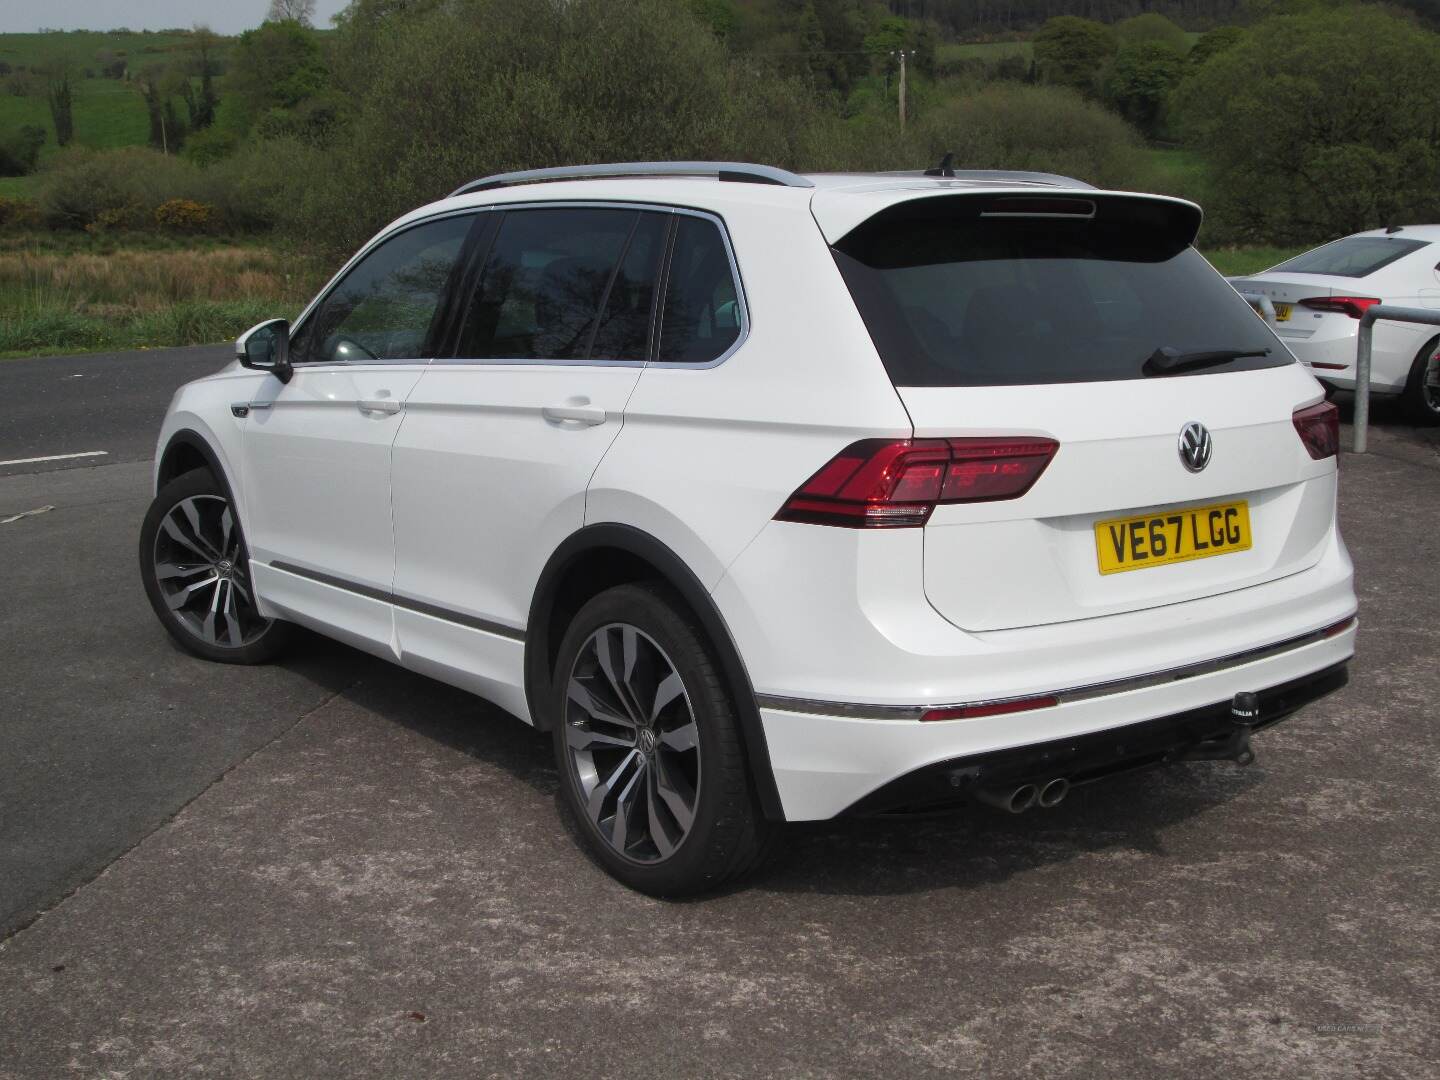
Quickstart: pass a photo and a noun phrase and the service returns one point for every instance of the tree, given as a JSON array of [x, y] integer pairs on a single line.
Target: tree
[[201, 105], [1319, 125], [1151, 26], [59, 95], [300, 11], [1140, 82], [273, 69], [1071, 51]]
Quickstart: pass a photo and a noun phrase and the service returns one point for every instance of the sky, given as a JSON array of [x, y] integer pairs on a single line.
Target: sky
[[222, 16]]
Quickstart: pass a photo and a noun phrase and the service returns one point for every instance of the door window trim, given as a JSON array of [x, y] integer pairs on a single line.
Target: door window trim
[[442, 313], [662, 283]]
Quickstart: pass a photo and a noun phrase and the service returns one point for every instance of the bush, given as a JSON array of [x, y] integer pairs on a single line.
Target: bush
[[1048, 128], [185, 216], [1318, 125], [20, 214], [20, 150], [126, 189], [454, 91]]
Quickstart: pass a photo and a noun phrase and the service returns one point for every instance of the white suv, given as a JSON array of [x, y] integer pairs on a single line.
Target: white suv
[[777, 497]]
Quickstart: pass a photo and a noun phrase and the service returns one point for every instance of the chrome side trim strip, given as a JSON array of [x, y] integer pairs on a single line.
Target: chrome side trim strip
[[854, 711], [420, 607]]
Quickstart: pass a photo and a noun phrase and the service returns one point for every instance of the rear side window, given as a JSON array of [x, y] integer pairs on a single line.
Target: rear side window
[[383, 308], [992, 291], [1355, 256], [549, 276], [700, 320]]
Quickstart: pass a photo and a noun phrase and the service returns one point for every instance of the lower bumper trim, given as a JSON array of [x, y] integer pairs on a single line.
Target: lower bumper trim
[[1098, 756]]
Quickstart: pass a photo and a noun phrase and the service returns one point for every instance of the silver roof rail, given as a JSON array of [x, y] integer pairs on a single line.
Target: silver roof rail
[[734, 171]]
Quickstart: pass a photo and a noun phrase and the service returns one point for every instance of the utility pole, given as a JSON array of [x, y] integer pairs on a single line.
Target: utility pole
[[902, 53]]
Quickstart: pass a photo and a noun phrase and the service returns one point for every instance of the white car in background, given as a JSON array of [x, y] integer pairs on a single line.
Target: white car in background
[[1320, 297]]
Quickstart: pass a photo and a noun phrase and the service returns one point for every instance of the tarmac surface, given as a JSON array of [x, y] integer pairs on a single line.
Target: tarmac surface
[[332, 867]]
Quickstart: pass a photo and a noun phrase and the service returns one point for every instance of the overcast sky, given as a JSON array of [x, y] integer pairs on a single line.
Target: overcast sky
[[222, 16]]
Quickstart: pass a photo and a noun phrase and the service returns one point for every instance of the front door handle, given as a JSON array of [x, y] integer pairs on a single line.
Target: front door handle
[[586, 415], [379, 406]]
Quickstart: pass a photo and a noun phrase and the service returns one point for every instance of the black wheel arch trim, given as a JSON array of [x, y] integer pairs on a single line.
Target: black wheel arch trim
[[193, 440], [678, 575]]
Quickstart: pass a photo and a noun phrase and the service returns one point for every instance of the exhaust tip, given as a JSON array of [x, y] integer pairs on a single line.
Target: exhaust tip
[[1023, 798], [1053, 792]]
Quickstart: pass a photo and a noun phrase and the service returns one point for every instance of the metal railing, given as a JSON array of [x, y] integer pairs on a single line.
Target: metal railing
[[1362, 358], [1261, 303]]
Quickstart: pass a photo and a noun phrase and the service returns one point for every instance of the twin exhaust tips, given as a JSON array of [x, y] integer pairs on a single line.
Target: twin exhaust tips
[[1019, 799]]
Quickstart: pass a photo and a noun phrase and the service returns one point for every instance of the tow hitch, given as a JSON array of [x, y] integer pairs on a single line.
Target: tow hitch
[[1244, 714]]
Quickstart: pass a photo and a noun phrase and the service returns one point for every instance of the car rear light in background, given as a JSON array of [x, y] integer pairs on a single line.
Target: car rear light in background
[[1354, 306], [1319, 428], [993, 708], [890, 484]]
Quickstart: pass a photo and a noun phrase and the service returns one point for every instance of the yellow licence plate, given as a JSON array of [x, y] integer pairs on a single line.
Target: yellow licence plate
[[1172, 536], [1282, 312]]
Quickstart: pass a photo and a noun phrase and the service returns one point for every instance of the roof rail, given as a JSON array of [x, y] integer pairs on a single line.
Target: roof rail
[[734, 171]]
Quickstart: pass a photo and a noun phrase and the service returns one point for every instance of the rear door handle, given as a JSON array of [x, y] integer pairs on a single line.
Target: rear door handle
[[379, 406], [587, 416]]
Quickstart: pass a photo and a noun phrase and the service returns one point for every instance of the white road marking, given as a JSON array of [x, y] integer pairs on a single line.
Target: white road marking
[[55, 457], [27, 513]]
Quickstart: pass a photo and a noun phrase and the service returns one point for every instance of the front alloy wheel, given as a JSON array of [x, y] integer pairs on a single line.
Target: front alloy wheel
[[196, 571]]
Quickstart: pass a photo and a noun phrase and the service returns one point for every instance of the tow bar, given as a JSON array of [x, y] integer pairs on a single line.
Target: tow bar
[[1244, 712]]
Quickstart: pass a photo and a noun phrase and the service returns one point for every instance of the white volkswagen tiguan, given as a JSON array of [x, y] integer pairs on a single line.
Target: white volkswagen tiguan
[[777, 497]]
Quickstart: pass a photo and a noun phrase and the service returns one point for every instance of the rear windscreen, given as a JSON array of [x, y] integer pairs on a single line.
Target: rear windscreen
[[1355, 256], [992, 291]]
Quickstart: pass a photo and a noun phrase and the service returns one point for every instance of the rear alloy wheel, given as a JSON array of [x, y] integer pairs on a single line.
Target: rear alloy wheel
[[648, 747], [1422, 389], [197, 573]]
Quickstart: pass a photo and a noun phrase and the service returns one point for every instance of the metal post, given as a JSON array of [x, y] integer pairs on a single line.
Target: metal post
[[1373, 315], [1261, 303]]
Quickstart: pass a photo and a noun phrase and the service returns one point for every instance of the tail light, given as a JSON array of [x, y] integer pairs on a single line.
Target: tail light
[[1319, 428], [890, 484], [993, 708], [1354, 306]]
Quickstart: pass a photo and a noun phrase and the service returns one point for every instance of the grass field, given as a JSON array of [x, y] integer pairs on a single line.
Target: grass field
[[90, 296], [1248, 260]]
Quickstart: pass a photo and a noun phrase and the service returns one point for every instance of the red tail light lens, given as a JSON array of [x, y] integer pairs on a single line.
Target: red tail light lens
[[1319, 429], [994, 708], [888, 484], [1354, 306]]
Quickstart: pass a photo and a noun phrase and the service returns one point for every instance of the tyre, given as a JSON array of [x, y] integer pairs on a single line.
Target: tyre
[[196, 571], [649, 750], [1422, 388]]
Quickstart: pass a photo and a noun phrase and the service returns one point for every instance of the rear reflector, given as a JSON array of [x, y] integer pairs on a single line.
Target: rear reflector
[[889, 484], [1354, 306], [1338, 628], [1329, 367], [993, 708], [1319, 429]]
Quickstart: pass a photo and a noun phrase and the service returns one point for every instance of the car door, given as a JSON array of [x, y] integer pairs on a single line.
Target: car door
[[502, 437], [316, 450]]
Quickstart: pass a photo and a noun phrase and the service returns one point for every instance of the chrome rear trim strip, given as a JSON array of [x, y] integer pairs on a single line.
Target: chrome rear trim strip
[[854, 711]]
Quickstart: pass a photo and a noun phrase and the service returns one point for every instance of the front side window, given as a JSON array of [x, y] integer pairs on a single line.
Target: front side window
[[1354, 256], [565, 283], [384, 306], [700, 320]]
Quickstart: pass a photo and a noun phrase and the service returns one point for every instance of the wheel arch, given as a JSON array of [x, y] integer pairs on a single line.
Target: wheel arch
[[185, 450], [599, 556]]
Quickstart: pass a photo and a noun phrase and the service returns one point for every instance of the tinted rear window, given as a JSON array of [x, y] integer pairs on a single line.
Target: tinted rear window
[[973, 291], [1355, 256]]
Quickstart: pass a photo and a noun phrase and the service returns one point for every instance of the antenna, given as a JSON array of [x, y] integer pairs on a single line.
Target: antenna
[[945, 168]]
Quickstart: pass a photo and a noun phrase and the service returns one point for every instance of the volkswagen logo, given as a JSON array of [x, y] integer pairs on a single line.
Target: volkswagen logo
[[1195, 446]]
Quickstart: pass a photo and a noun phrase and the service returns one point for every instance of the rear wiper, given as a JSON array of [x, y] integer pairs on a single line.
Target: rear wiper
[[1166, 360]]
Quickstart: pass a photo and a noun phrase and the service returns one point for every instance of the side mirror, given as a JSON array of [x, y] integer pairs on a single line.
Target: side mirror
[[266, 347]]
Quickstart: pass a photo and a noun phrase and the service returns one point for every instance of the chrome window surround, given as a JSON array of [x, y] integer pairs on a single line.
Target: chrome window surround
[[616, 204], [853, 711]]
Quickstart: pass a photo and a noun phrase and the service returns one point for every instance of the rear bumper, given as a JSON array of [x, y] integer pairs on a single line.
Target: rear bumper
[[1207, 732], [825, 765]]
